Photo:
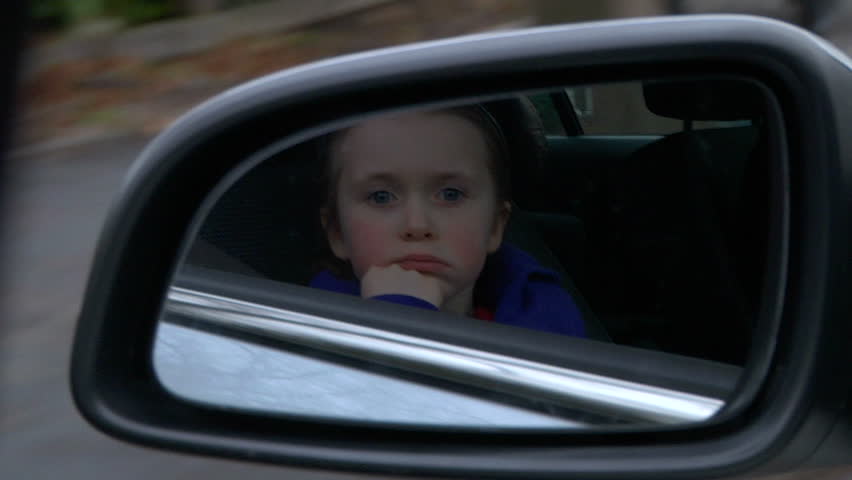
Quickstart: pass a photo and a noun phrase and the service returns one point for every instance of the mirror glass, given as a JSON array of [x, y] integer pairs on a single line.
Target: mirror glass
[[579, 257]]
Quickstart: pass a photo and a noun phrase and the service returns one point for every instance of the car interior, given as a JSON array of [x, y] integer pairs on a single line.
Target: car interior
[[660, 237]]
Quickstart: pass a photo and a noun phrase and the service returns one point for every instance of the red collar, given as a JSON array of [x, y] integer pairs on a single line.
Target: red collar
[[483, 313]]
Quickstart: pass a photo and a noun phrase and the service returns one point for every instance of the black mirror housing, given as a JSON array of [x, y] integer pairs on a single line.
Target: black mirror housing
[[793, 405]]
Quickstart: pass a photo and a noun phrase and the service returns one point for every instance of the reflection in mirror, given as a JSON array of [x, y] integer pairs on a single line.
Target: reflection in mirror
[[634, 215]]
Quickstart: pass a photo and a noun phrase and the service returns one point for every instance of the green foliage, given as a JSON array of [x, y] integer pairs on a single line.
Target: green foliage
[[61, 13], [49, 14], [135, 12], [57, 14], [82, 10]]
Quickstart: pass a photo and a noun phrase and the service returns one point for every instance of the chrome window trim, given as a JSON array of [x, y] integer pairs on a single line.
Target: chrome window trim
[[562, 386]]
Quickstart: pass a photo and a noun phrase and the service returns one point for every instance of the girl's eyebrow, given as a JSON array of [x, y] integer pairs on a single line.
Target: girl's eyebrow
[[377, 177], [388, 177], [453, 175]]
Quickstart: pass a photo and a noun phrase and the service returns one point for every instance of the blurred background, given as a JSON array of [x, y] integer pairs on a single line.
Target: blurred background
[[101, 77], [99, 69]]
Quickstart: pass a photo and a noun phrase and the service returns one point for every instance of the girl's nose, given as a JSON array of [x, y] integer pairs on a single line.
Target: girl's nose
[[417, 225], [417, 234]]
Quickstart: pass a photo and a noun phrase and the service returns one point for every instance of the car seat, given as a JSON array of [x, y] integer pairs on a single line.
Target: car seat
[[678, 262]]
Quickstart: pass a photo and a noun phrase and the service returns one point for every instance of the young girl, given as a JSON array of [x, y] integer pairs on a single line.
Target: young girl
[[415, 208]]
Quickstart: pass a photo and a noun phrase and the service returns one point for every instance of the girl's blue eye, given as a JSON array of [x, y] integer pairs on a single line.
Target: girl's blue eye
[[450, 194], [381, 197]]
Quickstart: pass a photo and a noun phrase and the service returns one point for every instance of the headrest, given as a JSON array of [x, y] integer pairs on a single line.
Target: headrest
[[525, 137], [718, 99]]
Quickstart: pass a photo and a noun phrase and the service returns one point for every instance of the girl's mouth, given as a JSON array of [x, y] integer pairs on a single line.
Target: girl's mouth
[[422, 263]]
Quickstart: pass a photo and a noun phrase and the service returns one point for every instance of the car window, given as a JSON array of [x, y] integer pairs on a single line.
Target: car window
[[549, 113]]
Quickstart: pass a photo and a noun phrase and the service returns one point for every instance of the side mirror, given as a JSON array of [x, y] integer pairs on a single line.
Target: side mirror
[[620, 247]]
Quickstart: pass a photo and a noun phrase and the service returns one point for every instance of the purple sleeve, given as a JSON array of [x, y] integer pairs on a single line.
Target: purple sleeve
[[555, 308], [407, 300], [540, 303], [325, 280]]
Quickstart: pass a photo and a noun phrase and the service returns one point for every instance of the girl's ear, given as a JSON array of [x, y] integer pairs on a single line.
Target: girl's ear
[[500, 223], [332, 233]]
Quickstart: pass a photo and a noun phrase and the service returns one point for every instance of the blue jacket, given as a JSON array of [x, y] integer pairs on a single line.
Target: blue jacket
[[513, 285]]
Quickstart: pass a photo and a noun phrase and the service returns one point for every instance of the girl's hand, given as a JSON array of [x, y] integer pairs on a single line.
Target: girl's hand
[[394, 280]]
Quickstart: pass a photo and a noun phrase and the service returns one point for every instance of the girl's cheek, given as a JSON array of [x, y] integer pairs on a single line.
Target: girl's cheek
[[470, 236], [469, 243], [367, 240]]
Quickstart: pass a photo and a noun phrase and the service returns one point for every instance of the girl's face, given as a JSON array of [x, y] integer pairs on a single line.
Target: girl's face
[[416, 190]]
